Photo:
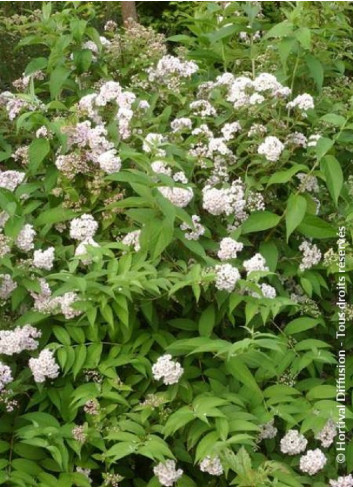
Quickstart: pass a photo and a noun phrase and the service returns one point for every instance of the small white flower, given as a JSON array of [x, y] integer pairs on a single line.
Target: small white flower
[[83, 228], [167, 473], [228, 249], [44, 258], [5, 375], [211, 465], [293, 443], [44, 366], [256, 264], [109, 162], [167, 370], [24, 240], [312, 462], [311, 255], [271, 148], [226, 277]]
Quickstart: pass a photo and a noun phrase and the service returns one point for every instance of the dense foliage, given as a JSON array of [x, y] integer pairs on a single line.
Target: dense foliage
[[169, 254]]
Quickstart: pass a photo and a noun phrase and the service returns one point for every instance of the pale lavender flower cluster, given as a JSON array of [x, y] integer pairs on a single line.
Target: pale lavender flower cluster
[[167, 370], [44, 366], [256, 264], [83, 228], [19, 339], [267, 431], [5, 375], [132, 239], [194, 231], [44, 259], [229, 249], [7, 286], [313, 461], [342, 481], [11, 179], [167, 473], [311, 255], [293, 443], [25, 238], [226, 277], [211, 465]]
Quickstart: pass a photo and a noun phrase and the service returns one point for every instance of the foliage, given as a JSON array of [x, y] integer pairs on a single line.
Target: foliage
[[258, 350]]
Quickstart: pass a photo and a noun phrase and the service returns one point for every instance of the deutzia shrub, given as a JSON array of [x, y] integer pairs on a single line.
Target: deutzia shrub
[[168, 245]]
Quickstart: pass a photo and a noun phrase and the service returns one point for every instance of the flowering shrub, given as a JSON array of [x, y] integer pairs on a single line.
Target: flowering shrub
[[168, 248]]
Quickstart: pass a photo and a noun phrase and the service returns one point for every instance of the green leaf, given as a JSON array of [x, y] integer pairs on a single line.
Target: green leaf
[[120, 450], [304, 37], [35, 65], [314, 227], [322, 147], [282, 29], [38, 150], [156, 235], [286, 175], [295, 213], [207, 321], [259, 221], [334, 177], [316, 70], [322, 392], [57, 80], [240, 371], [300, 324], [52, 216]]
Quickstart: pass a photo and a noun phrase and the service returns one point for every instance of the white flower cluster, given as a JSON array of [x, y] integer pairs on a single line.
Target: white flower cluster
[[167, 370], [211, 465], [170, 70], [242, 91], [167, 473], [11, 179], [83, 228], [312, 462], [152, 142], [313, 139], [225, 200], [311, 255], [228, 249], [268, 431], [342, 481], [194, 231], [44, 366], [203, 108], [109, 162], [44, 258], [7, 285], [66, 301], [161, 167], [181, 124], [24, 240], [303, 102], [45, 303], [5, 375], [293, 443], [327, 434], [256, 264], [308, 183], [82, 252], [133, 239], [271, 148], [19, 339], [226, 277], [229, 129], [178, 196], [268, 292]]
